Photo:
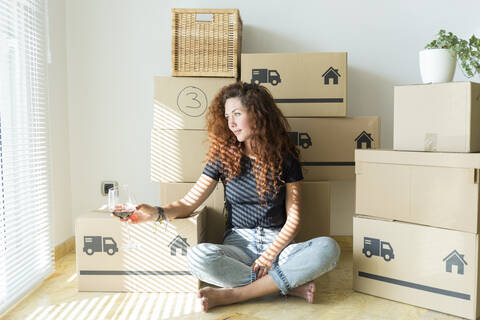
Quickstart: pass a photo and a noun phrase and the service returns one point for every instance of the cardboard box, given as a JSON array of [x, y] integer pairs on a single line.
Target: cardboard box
[[315, 215], [342, 207], [327, 148], [302, 84], [430, 188], [177, 155], [437, 117], [327, 145], [215, 229], [424, 266], [147, 257], [181, 103]]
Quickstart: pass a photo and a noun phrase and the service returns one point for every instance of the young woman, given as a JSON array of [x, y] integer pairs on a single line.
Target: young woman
[[251, 152]]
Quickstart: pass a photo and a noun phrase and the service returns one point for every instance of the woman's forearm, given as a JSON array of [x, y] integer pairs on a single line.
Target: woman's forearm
[[286, 235], [291, 227], [192, 200], [178, 209]]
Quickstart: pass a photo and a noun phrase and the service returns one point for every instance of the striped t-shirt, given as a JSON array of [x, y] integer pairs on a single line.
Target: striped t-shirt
[[244, 207]]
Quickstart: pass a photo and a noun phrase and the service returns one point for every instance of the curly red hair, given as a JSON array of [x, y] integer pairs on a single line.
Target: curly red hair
[[270, 140]]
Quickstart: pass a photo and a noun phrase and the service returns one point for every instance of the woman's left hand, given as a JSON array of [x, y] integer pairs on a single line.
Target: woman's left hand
[[261, 266]]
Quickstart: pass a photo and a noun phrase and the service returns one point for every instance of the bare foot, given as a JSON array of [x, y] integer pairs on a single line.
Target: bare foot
[[306, 291], [212, 297]]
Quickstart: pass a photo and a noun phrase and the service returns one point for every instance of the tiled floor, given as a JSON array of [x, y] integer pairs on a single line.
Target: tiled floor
[[58, 298]]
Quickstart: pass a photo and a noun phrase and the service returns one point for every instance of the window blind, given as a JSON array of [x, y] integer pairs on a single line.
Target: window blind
[[26, 254]]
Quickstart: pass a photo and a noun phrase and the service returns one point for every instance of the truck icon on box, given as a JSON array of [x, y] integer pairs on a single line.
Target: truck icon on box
[[375, 247], [92, 244], [265, 76], [301, 139]]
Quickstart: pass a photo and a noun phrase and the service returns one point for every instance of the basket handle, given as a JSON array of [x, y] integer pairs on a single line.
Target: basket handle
[[204, 17]]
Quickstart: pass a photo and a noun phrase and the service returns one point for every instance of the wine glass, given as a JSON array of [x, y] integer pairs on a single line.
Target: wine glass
[[121, 201]]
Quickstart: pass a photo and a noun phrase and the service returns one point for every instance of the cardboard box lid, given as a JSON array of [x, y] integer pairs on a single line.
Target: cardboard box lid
[[433, 159], [459, 84]]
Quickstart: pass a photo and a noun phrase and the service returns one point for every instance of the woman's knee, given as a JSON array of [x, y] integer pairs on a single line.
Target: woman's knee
[[328, 249], [203, 254]]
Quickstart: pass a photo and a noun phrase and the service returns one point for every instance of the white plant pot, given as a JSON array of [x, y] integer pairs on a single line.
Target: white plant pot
[[437, 65]]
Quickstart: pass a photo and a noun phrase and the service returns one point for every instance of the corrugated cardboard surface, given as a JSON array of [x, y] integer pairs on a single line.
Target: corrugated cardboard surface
[[182, 102], [215, 227], [177, 155], [327, 145], [419, 272], [315, 214], [437, 117], [342, 207], [150, 258], [302, 91], [440, 194]]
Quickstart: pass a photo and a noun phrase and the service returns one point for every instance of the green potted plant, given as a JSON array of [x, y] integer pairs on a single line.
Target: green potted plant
[[438, 60]]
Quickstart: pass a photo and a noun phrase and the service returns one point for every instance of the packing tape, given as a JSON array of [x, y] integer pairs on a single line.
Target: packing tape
[[430, 142]]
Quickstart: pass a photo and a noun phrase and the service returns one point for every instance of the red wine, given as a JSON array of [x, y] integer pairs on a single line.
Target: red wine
[[122, 214]]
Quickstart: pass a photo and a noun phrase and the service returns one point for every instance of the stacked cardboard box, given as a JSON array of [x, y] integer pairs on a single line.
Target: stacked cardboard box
[[179, 141], [416, 236], [311, 91], [178, 136], [147, 257]]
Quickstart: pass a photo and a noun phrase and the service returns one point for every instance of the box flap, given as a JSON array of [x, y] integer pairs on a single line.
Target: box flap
[[456, 83], [432, 159]]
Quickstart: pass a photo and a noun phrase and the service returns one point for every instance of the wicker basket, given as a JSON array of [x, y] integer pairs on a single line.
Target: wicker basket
[[206, 42]]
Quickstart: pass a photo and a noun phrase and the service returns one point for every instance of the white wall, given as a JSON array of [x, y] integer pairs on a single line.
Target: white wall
[[115, 47], [61, 202]]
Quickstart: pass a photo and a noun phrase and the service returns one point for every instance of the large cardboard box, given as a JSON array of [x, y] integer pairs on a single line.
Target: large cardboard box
[[436, 189], [424, 266], [182, 102], [302, 84], [216, 223], [315, 214], [177, 155], [327, 145], [147, 257], [437, 117]]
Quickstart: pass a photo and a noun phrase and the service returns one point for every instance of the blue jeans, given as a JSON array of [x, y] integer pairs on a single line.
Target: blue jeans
[[229, 265]]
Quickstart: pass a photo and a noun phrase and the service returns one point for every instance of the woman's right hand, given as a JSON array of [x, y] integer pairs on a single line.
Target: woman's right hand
[[143, 213]]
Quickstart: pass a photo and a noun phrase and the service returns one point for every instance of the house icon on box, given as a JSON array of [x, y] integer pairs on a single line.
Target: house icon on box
[[455, 259], [178, 243], [366, 138], [331, 73]]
